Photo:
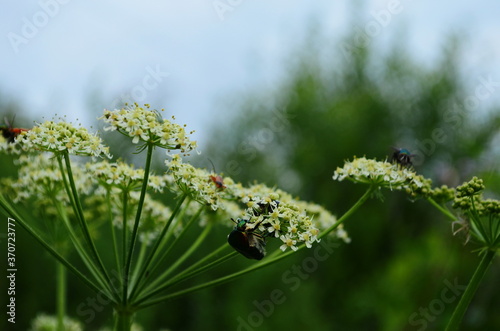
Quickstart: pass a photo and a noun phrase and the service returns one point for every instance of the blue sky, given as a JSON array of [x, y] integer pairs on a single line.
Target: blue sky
[[191, 56]]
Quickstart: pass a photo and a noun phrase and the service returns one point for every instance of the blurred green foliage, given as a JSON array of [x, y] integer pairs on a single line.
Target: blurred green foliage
[[362, 102], [358, 102]]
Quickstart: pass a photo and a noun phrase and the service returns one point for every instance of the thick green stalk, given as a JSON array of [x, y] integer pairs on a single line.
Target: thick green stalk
[[123, 319], [466, 298]]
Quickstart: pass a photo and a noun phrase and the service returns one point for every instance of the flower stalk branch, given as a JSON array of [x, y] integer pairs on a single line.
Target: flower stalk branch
[[471, 289], [133, 238]]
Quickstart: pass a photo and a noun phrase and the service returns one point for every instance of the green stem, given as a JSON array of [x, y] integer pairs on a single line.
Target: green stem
[[123, 319], [466, 298], [477, 224], [139, 263], [112, 228], [77, 206], [61, 295], [124, 226], [165, 274], [442, 209], [180, 260], [190, 271], [133, 238], [152, 254], [170, 233], [495, 232], [84, 255], [11, 212], [348, 213], [186, 274], [192, 248]]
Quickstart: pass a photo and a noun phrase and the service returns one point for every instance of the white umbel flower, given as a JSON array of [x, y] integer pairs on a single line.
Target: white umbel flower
[[60, 137], [378, 173], [143, 124]]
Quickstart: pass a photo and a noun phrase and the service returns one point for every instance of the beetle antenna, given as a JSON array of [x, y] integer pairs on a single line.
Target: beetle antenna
[[213, 167]]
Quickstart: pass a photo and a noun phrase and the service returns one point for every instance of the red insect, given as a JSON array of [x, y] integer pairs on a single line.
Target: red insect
[[219, 181], [10, 133]]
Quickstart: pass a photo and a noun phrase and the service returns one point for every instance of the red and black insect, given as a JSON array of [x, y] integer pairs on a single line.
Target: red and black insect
[[217, 179], [10, 133]]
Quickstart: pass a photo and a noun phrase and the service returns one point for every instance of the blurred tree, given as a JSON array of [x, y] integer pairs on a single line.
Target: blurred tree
[[362, 102]]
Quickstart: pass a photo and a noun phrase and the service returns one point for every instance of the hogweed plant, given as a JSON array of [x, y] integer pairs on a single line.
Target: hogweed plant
[[478, 219], [129, 227]]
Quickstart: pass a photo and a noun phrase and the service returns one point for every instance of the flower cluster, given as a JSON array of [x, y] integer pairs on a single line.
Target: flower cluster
[[379, 173], [481, 216], [123, 176], [323, 219], [267, 216], [196, 183], [63, 137], [39, 176], [469, 199], [268, 212], [472, 187], [442, 194], [142, 124], [9, 147], [46, 322], [274, 213]]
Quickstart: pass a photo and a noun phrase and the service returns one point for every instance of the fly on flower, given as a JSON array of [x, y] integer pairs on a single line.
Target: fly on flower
[[402, 156], [261, 208], [10, 133], [246, 242]]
